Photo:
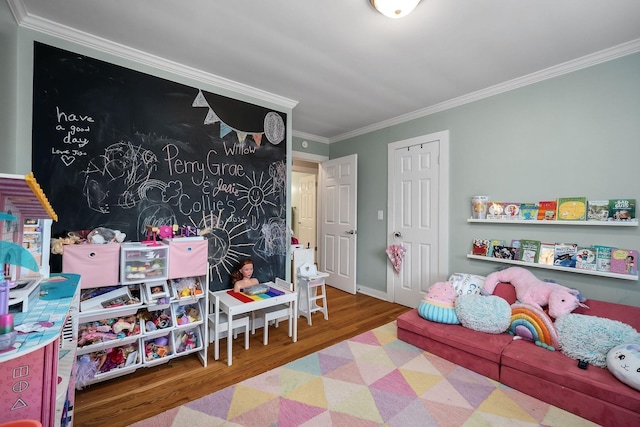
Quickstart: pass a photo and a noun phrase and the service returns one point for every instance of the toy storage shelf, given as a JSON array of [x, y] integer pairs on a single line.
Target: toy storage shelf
[[556, 222], [553, 267], [173, 333]]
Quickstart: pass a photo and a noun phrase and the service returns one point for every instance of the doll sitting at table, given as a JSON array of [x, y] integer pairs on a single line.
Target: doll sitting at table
[[241, 276]]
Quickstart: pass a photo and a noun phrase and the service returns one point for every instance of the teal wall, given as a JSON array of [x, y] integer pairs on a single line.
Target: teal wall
[[8, 93], [315, 147], [573, 135]]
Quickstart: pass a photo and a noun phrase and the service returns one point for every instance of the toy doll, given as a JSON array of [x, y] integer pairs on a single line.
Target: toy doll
[[241, 277]]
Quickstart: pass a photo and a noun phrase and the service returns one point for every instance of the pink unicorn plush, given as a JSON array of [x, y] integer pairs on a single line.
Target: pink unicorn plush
[[531, 290]]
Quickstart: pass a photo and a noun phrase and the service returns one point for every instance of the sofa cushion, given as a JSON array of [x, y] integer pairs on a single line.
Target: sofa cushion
[[559, 369], [486, 346]]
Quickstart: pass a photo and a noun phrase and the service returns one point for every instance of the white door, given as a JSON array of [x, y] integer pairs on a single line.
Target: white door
[[417, 217], [338, 193], [307, 212]]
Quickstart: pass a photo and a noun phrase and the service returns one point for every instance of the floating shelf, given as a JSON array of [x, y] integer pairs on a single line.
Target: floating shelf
[[556, 268], [556, 222]]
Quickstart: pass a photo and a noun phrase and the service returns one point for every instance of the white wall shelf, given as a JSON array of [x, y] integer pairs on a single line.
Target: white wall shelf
[[556, 268], [556, 222]]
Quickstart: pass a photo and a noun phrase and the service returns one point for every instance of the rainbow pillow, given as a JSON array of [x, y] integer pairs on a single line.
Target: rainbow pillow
[[531, 323]]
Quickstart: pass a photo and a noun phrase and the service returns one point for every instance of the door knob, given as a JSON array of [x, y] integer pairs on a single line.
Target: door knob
[[351, 232]]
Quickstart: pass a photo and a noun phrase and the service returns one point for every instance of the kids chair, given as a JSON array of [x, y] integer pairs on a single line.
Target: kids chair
[[277, 312], [219, 323], [311, 289]]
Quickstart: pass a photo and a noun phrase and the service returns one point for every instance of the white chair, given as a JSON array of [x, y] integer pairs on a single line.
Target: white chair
[[219, 323], [311, 289], [277, 312]]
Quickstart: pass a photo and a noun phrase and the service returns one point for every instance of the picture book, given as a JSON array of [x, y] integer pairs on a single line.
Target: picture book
[[603, 257], [586, 258], [495, 210], [504, 252], [547, 210], [493, 243], [547, 252], [624, 261], [512, 210], [516, 244], [564, 254], [597, 210], [480, 247], [622, 209], [529, 211], [529, 250], [572, 209]]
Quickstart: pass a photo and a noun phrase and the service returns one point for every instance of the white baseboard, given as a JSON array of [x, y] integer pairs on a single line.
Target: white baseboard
[[371, 292]]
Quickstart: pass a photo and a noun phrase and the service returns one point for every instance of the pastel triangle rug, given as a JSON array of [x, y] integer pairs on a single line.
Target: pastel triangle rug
[[373, 379]]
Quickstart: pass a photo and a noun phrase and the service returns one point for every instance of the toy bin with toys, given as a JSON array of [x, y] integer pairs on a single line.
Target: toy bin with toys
[[187, 340], [107, 363], [156, 322], [158, 348], [94, 300], [140, 262], [97, 264], [188, 313], [95, 332], [186, 288], [188, 258]]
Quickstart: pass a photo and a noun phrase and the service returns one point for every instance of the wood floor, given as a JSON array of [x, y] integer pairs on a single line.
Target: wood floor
[[149, 391]]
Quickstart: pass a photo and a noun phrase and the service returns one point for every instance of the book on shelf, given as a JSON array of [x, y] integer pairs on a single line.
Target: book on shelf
[[547, 252], [547, 210], [603, 257], [529, 250], [516, 244], [480, 247], [624, 261], [504, 252], [493, 243], [512, 210], [528, 211], [597, 210], [572, 209], [564, 254], [495, 210], [586, 258], [622, 209]]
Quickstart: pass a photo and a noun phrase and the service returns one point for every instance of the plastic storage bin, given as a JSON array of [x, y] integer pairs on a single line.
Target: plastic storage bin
[[141, 263]]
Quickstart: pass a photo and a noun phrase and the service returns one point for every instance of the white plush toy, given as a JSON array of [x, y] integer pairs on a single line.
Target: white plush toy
[[624, 363], [101, 235]]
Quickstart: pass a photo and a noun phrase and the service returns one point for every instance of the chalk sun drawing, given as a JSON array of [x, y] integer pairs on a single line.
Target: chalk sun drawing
[[256, 194], [224, 242]]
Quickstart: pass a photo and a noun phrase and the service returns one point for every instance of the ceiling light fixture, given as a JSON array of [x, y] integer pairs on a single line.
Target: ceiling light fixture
[[394, 8]]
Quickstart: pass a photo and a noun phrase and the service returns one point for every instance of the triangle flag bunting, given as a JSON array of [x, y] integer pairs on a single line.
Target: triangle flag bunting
[[211, 118], [224, 129], [241, 136], [257, 138], [200, 100]]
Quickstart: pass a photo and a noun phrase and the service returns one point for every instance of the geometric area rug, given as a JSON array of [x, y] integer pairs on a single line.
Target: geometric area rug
[[373, 379]]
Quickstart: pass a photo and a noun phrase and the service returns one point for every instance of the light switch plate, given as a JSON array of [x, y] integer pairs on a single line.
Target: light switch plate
[[380, 215]]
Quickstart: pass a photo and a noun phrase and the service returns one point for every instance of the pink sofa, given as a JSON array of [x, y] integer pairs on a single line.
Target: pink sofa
[[594, 393]]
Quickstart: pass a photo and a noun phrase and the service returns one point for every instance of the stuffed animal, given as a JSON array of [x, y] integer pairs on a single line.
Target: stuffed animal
[[101, 235], [531, 290]]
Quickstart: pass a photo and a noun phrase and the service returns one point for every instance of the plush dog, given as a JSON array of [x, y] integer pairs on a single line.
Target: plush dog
[[531, 290]]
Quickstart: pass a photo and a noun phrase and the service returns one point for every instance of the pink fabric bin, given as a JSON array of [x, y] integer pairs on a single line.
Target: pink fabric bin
[[188, 259], [97, 264]]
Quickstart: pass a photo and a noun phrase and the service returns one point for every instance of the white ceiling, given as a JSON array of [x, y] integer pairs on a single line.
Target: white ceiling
[[346, 68]]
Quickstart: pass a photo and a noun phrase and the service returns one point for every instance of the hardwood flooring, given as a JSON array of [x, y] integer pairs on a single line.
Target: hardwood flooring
[[149, 391]]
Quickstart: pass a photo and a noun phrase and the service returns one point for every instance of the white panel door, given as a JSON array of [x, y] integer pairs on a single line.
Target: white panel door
[[415, 217], [307, 212], [338, 231]]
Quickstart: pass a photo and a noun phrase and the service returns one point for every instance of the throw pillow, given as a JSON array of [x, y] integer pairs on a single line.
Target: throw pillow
[[481, 313], [624, 363], [465, 283], [438, 304]]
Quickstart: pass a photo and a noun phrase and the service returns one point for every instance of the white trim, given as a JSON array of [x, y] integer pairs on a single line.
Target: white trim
[[375, 293], [82, 38], [615, 52], [314, 138], [443, 200], [301, 155]]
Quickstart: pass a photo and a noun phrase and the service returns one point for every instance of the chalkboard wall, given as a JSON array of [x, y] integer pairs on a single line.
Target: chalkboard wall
[[118, 148]]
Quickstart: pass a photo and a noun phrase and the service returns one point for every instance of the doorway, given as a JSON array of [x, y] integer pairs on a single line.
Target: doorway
[[418, 202], [304, 176]]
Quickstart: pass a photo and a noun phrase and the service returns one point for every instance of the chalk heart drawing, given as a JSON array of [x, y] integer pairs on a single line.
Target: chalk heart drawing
[[67, 160]]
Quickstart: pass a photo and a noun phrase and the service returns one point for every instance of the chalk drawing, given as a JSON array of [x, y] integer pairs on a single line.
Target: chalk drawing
[[255, 194], [273, 239]]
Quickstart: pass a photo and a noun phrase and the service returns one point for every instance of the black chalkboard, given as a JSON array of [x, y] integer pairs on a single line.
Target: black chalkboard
[[118, 148]]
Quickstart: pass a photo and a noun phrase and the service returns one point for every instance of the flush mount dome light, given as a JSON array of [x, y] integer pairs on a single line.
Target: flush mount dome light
[[394, 8]]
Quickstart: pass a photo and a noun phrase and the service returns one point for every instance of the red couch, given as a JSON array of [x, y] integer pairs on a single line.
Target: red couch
[[594, 393]]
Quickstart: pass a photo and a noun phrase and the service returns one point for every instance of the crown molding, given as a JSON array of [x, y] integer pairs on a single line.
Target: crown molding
[[314, 138], [587, 61], [41, 25]]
